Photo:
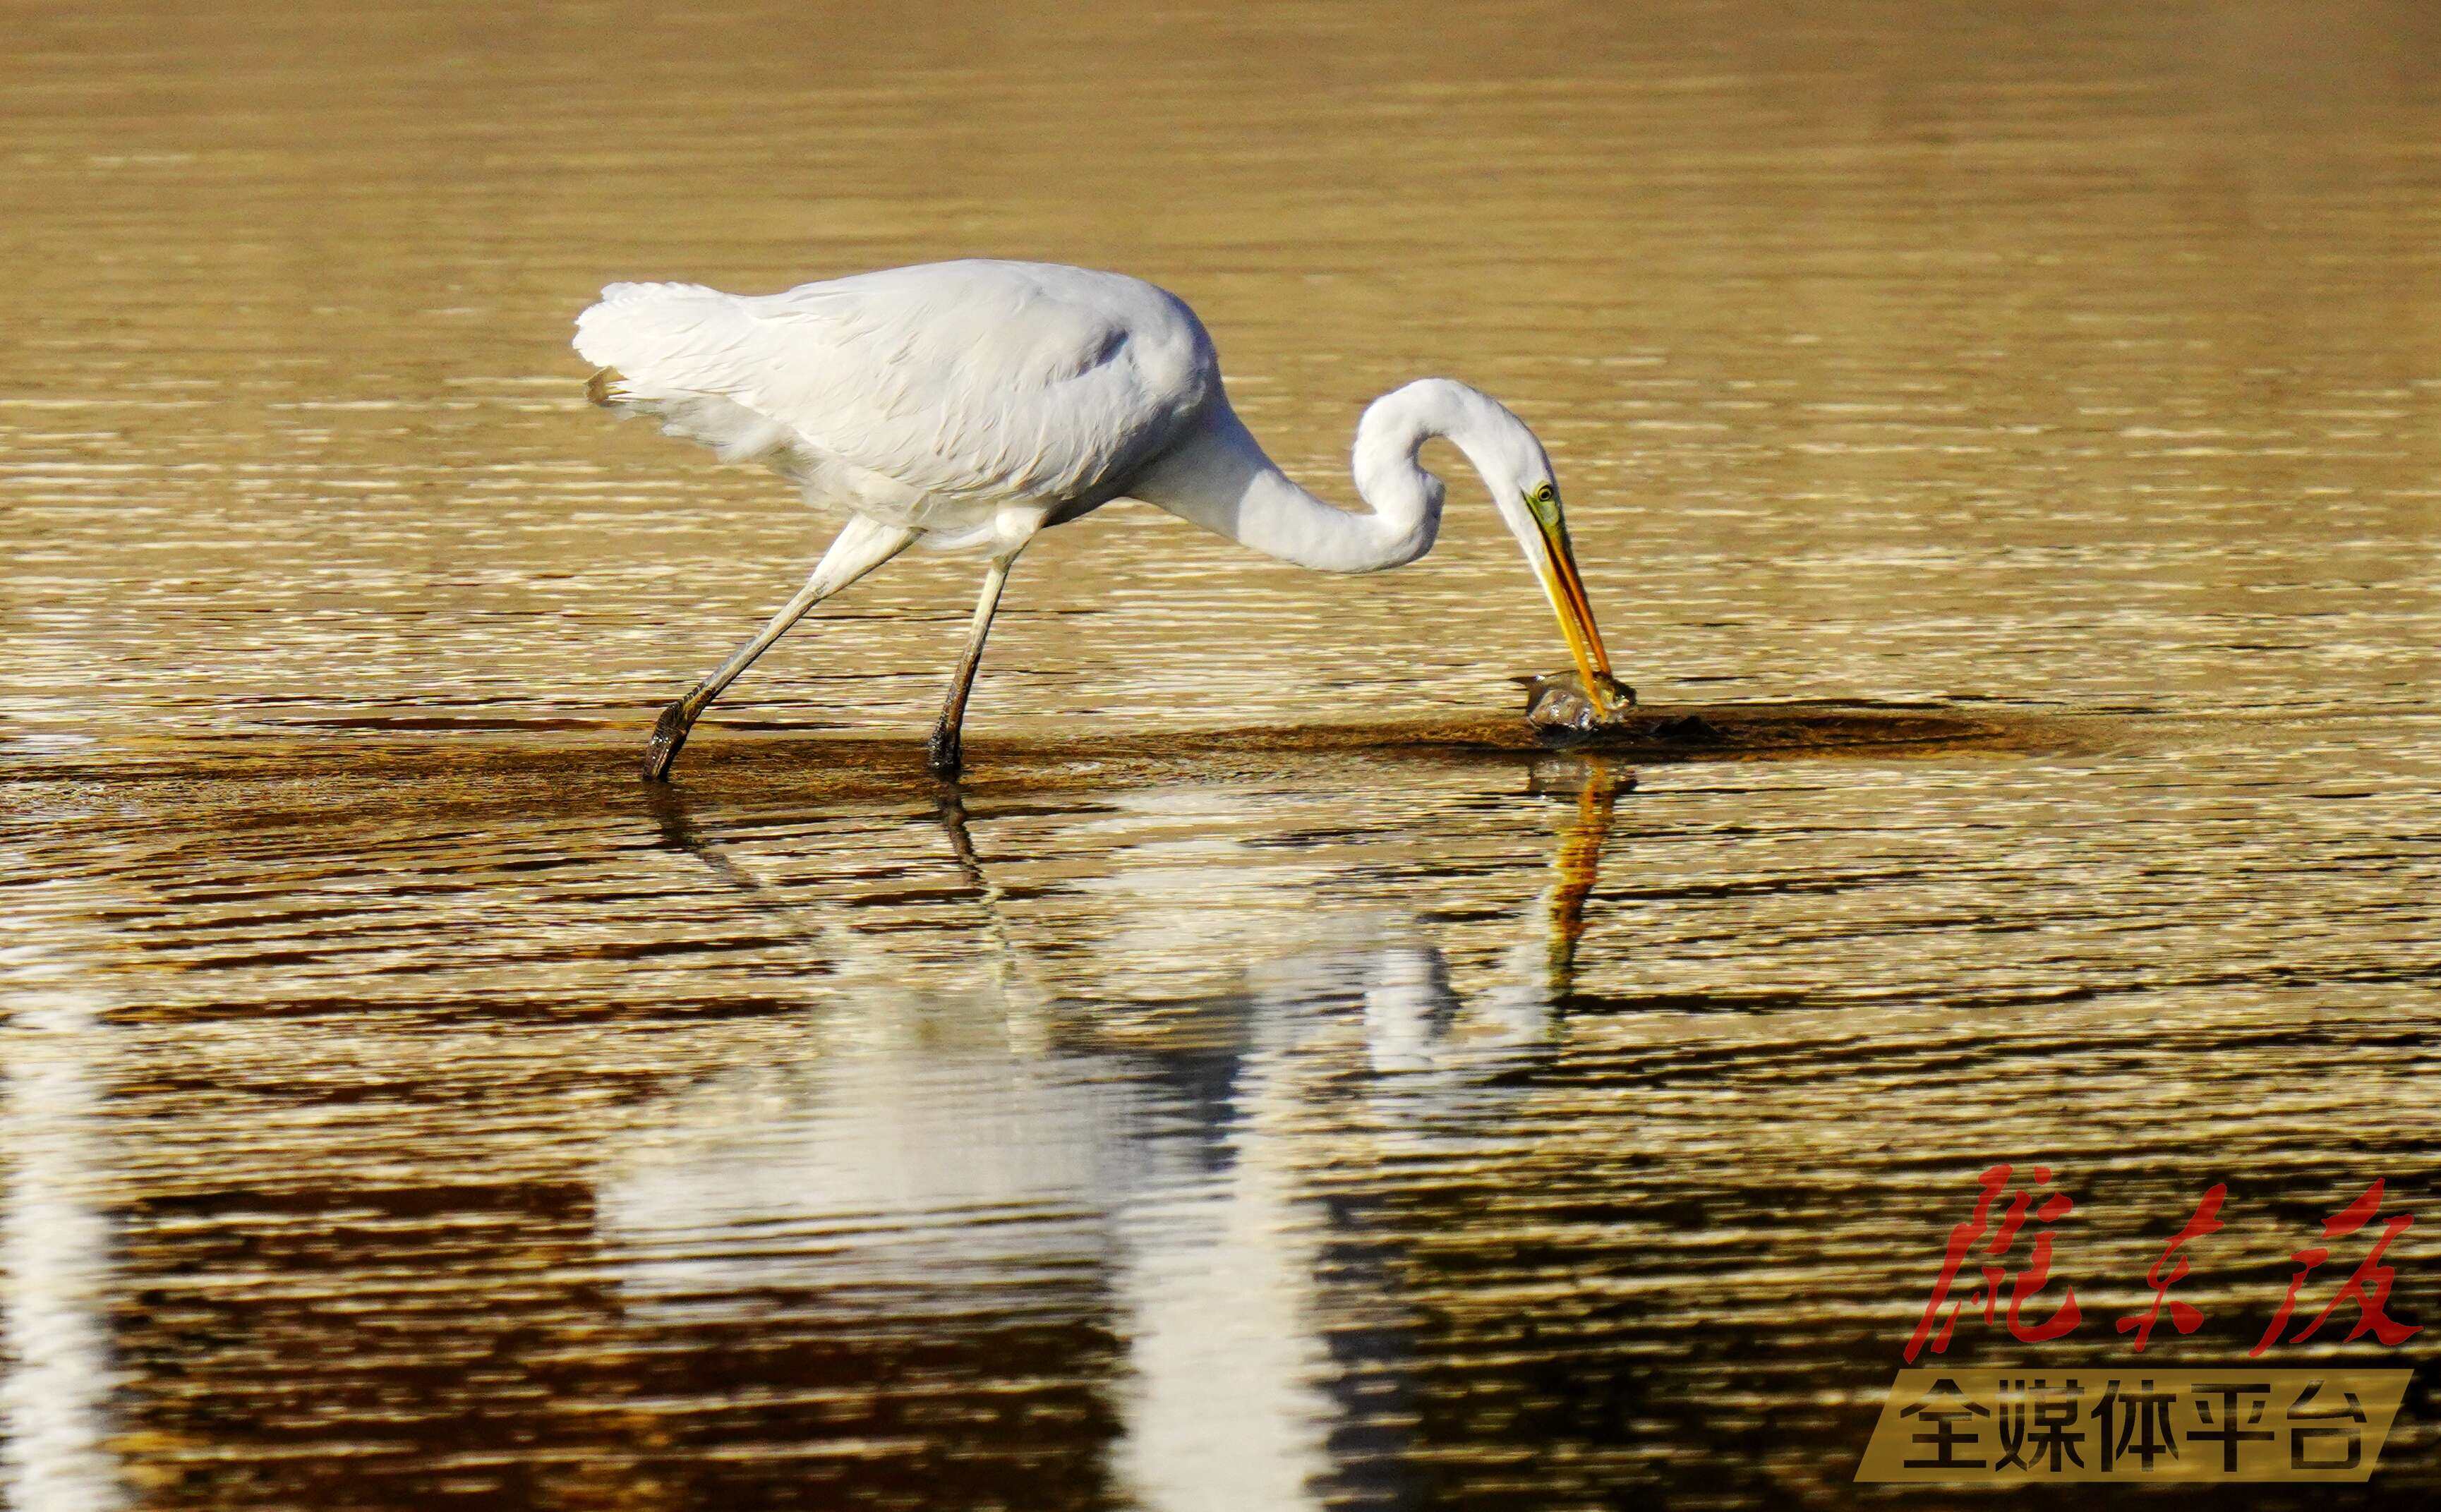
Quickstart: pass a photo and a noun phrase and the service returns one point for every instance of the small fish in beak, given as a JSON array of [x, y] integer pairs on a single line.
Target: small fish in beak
[[1558, 708]]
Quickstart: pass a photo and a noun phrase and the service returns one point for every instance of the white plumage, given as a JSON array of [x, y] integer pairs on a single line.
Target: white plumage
[[968, 406], [927, 397]]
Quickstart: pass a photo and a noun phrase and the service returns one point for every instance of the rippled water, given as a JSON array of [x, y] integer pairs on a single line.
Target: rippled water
[[1208, 1104]]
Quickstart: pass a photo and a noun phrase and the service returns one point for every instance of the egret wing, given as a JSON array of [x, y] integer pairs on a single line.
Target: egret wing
[[963, 381]]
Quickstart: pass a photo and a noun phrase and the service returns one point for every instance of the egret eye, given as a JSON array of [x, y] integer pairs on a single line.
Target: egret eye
[[1544, 501]]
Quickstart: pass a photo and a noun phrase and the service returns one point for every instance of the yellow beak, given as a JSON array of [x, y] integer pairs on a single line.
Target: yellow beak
[[1568, 594]]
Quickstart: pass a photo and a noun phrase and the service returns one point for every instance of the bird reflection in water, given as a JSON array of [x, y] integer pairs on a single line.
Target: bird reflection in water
[[1525, 998], [989, 1169], [1578, 865], [56, 1238]]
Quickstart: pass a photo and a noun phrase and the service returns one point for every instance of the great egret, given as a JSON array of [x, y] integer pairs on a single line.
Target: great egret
[[968, 406]]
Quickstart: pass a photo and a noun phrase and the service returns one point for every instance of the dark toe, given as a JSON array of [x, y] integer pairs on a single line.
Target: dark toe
[[669, 736]]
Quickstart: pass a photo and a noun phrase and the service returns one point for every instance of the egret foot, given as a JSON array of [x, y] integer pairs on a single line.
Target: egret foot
[[941, 752], [669, 735]]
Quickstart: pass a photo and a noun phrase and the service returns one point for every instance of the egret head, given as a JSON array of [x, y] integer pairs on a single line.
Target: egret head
[[1542, 530], [1517, 471]]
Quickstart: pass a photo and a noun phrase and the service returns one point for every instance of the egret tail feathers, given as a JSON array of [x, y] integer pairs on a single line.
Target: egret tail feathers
[[656, 346], [664, 336]]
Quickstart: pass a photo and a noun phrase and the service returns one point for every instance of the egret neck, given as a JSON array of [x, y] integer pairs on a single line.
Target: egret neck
[[1219, 477]]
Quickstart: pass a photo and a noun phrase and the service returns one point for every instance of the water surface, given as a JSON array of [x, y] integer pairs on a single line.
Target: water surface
[[1202, 1106]]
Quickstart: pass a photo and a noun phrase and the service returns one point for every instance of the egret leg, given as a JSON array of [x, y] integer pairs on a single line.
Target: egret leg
[[861, 547], [942, 752]]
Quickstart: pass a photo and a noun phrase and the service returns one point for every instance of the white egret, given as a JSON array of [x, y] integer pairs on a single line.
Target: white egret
[[968, 406]]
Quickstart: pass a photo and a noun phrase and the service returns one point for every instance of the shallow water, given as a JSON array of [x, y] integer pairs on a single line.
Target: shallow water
[[1214, 1101]]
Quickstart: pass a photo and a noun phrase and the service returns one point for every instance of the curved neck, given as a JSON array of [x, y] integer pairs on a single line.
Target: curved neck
[[1219, 477]]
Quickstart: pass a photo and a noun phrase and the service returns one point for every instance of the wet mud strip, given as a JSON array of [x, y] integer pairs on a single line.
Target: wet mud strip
[[421, 749]]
